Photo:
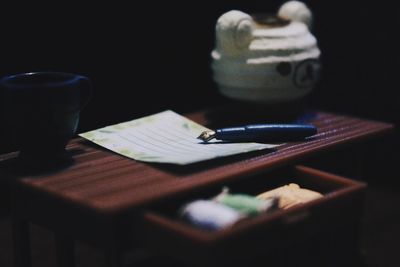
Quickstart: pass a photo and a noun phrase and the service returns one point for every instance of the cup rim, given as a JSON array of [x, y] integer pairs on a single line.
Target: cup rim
[[17, 80]]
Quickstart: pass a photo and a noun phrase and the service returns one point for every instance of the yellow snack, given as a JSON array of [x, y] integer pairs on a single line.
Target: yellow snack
[[290, 195]]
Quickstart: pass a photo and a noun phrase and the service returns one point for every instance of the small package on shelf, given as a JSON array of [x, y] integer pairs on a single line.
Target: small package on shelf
[[225, 209], [290, 195]]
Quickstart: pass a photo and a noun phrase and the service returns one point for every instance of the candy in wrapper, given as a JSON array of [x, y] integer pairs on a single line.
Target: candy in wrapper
[[210, 215], [246, 204], [290, 195]]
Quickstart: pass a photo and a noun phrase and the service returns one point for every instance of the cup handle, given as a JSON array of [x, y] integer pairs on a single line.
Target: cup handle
[[85, 86]]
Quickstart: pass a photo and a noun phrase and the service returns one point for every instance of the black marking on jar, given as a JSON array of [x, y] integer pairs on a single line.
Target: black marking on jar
[[284, 68]]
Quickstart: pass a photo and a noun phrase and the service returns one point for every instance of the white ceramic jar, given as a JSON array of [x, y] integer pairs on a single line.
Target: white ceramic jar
[[266, 59]]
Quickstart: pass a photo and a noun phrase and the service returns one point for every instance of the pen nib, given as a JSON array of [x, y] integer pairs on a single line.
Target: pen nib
[[206, 135]]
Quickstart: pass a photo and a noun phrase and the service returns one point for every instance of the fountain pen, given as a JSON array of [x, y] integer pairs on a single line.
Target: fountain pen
[[260, 133]]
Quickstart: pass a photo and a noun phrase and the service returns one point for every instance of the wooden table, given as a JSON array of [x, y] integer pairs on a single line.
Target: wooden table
[[98, 198]]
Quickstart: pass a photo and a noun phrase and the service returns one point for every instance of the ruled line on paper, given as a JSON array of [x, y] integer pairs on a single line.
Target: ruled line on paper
[[165, 137]]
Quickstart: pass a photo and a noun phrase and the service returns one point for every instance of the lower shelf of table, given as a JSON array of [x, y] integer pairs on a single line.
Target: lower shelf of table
[[337, 213]]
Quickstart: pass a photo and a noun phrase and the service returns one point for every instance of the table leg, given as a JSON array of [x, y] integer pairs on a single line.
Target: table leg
[[22, 243], [113, 255], [65, 250]]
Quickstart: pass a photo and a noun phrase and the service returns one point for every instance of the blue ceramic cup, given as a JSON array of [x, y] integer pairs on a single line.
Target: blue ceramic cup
[[41, 111]]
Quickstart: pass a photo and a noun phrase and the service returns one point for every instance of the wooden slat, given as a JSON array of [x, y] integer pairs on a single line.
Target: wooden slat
[[106, 182]]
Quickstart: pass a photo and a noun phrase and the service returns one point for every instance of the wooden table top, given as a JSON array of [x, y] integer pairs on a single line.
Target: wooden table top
[[107, 182]]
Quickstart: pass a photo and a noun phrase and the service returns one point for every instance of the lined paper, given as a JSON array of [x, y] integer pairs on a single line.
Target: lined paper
[[165, 137]]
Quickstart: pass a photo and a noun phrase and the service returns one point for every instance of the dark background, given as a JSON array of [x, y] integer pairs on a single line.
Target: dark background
[[141, 57], [144, 57], [152, 56]]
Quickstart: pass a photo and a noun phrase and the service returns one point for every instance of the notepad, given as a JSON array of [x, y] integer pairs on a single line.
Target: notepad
[[165, 137]]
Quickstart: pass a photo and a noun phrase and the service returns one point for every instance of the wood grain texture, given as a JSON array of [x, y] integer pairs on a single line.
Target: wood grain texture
[[107, 183]]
